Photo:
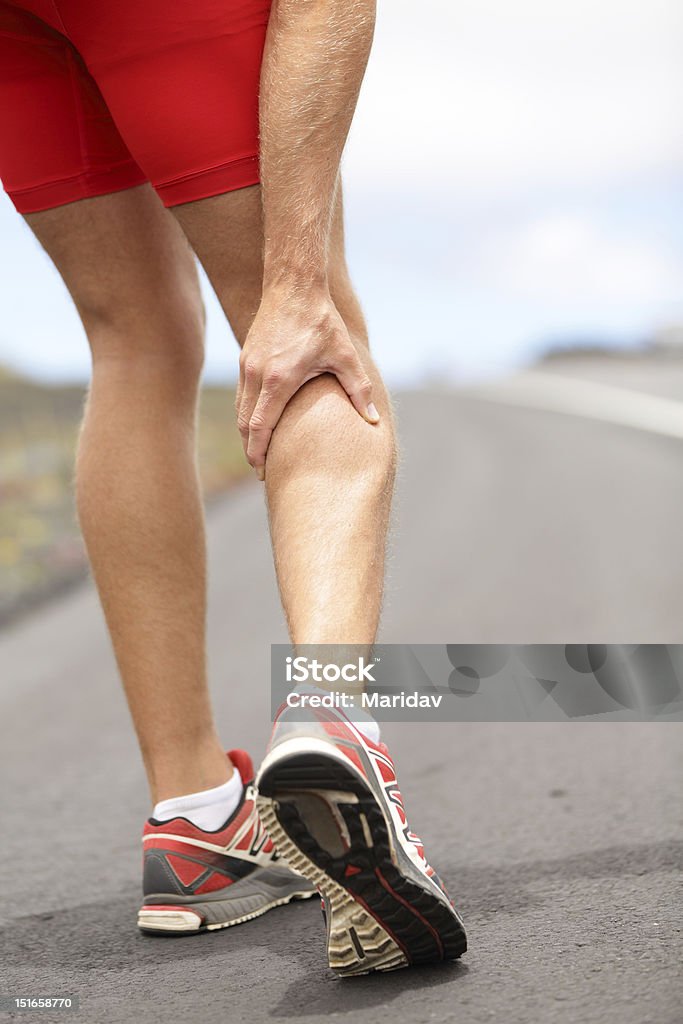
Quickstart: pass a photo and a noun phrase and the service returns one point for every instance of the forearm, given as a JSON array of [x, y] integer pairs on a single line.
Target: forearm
[[313, 65]]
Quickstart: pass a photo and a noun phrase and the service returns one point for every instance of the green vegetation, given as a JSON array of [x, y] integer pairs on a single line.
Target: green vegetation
[[40, 547]]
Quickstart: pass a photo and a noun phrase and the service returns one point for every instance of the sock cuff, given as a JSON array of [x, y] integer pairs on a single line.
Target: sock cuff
[[227, 795]]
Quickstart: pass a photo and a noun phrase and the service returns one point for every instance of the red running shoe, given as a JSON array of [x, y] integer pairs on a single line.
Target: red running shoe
[[195, 881], [329, 798]]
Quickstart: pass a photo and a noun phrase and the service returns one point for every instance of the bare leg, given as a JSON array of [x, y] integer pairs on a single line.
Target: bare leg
[[133, 279], [329, 474]]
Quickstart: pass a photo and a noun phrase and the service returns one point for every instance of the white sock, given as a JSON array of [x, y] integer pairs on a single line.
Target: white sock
[[208, 809], [362, 719], [366, 724]]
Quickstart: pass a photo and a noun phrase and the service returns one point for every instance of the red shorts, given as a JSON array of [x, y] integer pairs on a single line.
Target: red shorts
[[100, 95]]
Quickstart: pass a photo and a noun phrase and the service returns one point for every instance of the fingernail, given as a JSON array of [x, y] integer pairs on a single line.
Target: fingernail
[[261, 473], [372, 412]]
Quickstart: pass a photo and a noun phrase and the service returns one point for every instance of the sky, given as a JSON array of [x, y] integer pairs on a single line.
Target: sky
[[512, 181]]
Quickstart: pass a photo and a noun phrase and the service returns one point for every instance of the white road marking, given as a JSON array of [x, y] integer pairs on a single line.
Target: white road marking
[[624, 407]]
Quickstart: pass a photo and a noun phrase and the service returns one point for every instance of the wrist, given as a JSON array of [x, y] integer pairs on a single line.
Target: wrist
[[295, 255], [285, 280]]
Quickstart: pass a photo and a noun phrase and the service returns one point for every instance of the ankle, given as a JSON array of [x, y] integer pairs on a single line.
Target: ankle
[[181, 771]]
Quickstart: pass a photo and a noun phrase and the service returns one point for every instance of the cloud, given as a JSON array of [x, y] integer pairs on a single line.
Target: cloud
[[570, 260], [489, 97]]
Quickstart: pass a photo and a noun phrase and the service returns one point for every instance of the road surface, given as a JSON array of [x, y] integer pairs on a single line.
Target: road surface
[[562, 843]]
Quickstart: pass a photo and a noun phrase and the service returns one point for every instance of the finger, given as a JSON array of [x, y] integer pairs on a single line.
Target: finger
[[240, 381], [358, 386], [248, 399], [238, 396], [265, 417]]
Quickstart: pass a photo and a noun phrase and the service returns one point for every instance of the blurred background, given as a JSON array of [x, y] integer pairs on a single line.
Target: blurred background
[[512, 192]]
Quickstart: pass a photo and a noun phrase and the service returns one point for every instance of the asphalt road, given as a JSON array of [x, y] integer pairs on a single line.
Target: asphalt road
[[562, 843]]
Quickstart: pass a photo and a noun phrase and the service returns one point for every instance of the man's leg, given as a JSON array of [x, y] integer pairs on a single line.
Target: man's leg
[[329, 474], [327, 790], [132, 277]]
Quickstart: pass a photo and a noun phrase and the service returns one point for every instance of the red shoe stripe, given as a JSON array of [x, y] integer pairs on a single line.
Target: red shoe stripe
[[188, 871], [213, 882], [385, 885], [245, 842], [209, 858]]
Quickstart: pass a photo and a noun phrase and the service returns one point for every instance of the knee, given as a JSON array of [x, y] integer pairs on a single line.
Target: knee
[[161, 335]]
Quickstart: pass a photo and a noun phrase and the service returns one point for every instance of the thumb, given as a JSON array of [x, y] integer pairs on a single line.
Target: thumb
[[358, 386]]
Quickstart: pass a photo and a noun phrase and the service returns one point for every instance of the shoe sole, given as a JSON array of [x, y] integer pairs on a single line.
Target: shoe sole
[[165, 914], [331, 828]]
